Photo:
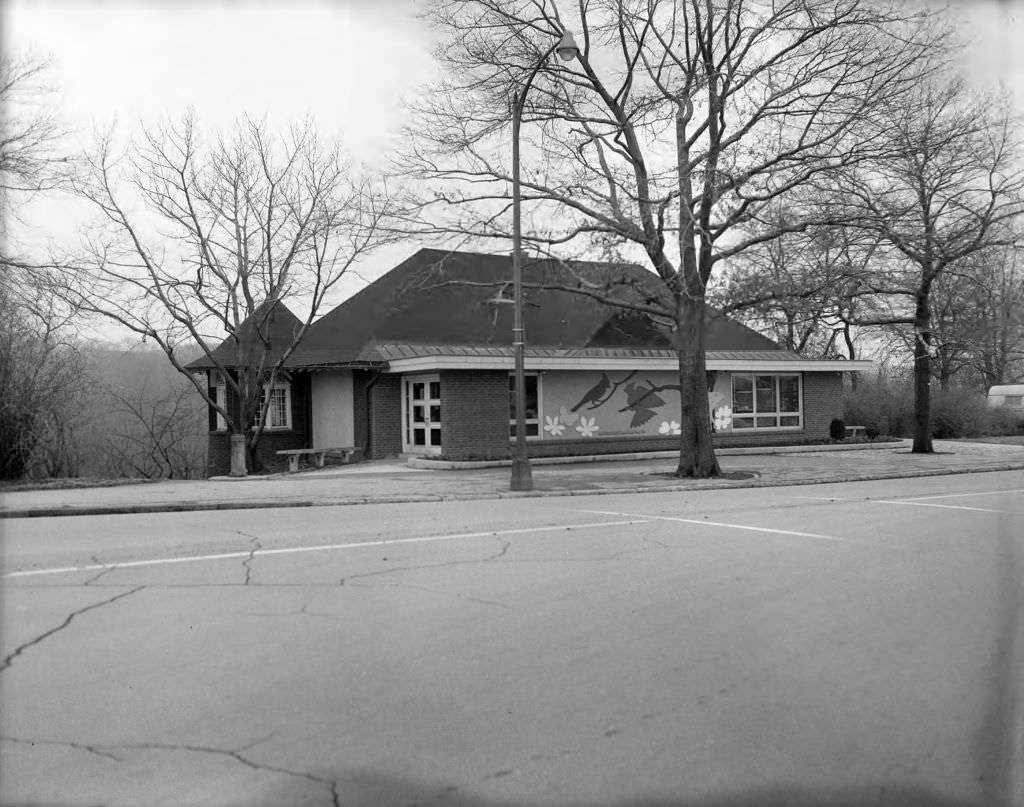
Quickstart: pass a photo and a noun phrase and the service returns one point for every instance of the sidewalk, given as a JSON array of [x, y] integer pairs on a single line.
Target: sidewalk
[[383, 481]]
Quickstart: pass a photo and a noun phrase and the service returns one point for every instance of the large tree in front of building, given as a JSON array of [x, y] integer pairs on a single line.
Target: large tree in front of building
[[211, 240], [947, 186], [674, 134]]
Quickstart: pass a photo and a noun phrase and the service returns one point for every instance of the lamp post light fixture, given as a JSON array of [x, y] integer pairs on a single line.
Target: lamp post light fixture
[[522, 475]]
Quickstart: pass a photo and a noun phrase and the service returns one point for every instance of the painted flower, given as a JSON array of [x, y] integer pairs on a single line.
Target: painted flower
[[588, 427], [668, 427], [723, 418], [553, 427]]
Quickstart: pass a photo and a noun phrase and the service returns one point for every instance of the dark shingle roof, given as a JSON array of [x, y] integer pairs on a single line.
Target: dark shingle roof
[[271, 325], [438, 297]]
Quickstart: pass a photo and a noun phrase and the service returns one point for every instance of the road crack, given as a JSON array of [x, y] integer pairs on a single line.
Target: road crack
[[107, 568], [422, 566], [238, 756], [247, 563], [92, 749], [9, 659]]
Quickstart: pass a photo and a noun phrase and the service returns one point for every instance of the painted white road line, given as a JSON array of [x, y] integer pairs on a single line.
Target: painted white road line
[[826, 499], [959, 495], [294, 550], [927, 504], [704, 523]]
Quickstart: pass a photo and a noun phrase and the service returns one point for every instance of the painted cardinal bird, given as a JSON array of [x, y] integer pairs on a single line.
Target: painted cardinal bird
[[596, 395], [642, 402]]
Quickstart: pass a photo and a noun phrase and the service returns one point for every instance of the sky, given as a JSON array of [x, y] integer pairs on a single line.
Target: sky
[[352, 65], [349, 63]]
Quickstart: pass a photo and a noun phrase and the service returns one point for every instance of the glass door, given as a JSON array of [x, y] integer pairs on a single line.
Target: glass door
[[421, 403]]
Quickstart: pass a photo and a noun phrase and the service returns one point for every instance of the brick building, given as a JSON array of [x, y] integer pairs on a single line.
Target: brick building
[[420, 362]]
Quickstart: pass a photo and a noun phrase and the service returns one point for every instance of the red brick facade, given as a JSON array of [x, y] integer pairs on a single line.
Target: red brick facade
[[475, 424], [219, 452], [475, 414]]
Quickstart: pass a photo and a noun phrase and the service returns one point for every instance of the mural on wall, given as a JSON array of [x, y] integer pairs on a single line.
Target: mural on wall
[[623, 404]]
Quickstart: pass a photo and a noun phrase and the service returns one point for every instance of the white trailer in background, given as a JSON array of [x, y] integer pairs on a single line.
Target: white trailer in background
[[1009, 395]]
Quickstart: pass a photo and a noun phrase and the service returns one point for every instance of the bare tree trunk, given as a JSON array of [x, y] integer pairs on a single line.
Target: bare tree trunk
[[922, 376], [696, 452]]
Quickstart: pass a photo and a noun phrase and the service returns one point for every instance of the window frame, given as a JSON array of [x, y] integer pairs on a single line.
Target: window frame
[[285, 389], [531, 424], [778, 413]]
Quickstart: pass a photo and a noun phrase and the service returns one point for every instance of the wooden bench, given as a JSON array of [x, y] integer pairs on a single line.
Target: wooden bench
[[347, 454], [855, 431]]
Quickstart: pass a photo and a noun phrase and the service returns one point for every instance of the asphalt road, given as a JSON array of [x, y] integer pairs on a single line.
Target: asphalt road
[[849, 644]]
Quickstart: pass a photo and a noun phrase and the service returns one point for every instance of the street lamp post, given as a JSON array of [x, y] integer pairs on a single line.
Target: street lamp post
[[522, 475]]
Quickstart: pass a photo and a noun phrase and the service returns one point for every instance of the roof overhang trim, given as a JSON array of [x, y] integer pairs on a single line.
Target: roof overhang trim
[[422, 364]]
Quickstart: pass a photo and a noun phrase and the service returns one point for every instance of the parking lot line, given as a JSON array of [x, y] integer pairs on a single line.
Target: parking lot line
[[913, 503], [705, 523], [959, 495]]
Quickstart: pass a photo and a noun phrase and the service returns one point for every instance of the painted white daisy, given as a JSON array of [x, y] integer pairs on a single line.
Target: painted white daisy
[[553, 427], [723, 418], [668, 427], [588, 427]]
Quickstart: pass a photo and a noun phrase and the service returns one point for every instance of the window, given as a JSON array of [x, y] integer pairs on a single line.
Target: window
[[1016, 401], [222, 401], [532, 413], [279, 410], [766, 402]]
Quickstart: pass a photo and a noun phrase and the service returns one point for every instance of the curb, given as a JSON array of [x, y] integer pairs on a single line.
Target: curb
[[426, 463], [695, 485]]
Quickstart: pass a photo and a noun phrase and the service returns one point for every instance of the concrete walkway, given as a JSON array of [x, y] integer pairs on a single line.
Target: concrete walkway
[[383, 481]]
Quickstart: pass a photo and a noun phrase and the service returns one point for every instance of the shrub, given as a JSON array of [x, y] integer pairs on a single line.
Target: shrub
[[837, 429], [887, 407], [881, 407]]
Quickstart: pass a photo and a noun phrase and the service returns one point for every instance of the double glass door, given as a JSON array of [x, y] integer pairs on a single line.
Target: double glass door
[[422, 414]]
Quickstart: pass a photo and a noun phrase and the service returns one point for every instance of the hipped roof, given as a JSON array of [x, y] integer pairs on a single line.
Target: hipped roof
[[271, 325], [438, 297]]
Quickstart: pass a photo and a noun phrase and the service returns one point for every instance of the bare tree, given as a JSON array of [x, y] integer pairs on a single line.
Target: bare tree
[[204, 241], [995, 326], [30, 134], [946, 187], [42, 386], [676, 132], [156, 438], [803, 288]]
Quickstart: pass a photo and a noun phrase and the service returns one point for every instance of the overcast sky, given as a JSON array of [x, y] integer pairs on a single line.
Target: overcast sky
[[350, 64]]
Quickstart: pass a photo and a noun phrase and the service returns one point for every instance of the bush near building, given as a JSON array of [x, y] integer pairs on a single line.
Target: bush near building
[[887, 407]]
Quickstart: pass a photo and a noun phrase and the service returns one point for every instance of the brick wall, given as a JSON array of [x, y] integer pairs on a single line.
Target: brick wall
[[474, 406], [219, 452], [385, 417], [823, 402], [474, 414]]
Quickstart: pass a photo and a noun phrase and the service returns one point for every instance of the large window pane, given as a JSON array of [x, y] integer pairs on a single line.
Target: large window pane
[[764, 398], [742, 393], [789, 393]]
